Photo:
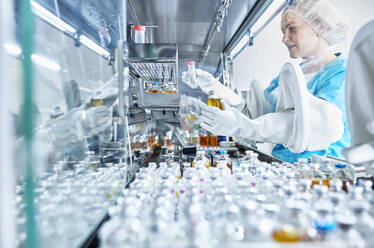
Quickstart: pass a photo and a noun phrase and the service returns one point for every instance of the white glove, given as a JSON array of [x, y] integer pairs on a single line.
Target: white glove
[[216, 121], [359, 95], [97, 119], [207, 82], [313, 125], [255, 104], [230, 122], [317, 123]]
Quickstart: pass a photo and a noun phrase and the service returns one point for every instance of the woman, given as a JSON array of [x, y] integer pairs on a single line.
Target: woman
[[311, 29]]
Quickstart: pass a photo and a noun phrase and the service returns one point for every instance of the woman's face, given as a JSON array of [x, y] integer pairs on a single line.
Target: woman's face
[[301, 40]]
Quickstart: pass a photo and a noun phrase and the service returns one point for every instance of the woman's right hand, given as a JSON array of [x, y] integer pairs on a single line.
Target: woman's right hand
[[206, 82]]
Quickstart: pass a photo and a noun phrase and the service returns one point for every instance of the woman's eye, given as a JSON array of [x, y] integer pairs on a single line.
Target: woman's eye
[[292, 29]]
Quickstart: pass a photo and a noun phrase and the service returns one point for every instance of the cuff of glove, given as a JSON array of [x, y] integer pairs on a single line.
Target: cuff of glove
[[359, 154], [230, 97]]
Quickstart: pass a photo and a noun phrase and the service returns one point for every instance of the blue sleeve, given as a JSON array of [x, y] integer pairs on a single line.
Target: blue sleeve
[[269, 95], [332, 90]]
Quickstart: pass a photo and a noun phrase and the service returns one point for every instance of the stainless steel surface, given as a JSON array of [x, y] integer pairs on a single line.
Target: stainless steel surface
[[183, 22], [170, 115], [250, 19], [276, 12], [152, 52], [215, 28], [163, 72], [155, 63]]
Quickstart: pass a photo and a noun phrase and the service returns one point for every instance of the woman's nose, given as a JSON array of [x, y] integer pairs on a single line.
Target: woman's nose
[[285, 38]]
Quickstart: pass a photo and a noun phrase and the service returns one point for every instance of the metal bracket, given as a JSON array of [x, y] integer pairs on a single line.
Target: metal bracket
[[227, 69], [111, 59], [250, 37], [76, 37], [215, 28]]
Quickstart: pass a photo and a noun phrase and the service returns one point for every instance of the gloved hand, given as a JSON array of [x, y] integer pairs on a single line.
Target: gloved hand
[[359, 99], [216, 121], [189, 111], [207, 82], [255, 102], [97, 120], [303, 121]]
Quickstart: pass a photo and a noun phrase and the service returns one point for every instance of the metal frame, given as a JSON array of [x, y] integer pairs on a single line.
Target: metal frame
[[154, 62], [258, 9], [7, 176], [214, 28]]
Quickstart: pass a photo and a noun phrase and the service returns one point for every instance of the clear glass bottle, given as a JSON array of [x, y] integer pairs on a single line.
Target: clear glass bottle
[[201, 158], [214, 100], [247, 157], [155, 88], [317, 176], [324, 222], [302, 168], [192, 73], [224, 170], [342, 174], [195, 135], [170, 89], [224, 157], [139, 34], [213, 140]]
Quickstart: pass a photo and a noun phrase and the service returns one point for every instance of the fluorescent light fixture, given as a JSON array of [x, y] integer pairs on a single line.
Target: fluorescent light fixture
[[276, 4], [86, 89], [51, 18], [240, 46], [44, 62], [47, 16], [93, 46], [12, 50]]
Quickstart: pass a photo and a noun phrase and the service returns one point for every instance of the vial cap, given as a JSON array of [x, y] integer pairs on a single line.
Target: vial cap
[[139, 27], [191, 63], [325, 225], [340, 166]]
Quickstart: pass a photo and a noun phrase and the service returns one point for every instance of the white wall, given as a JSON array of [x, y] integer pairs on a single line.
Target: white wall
[[264, 60]]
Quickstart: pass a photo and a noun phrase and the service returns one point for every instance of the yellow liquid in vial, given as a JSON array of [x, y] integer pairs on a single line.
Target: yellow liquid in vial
[[204, 140], [194, 164], [213, 140], [214, 103], [170, 92], [96, 102], [288, 234], [325, 182], [191, 117], [154, 91]]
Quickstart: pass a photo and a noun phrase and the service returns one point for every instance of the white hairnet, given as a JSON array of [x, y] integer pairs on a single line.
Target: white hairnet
[[322, 17]]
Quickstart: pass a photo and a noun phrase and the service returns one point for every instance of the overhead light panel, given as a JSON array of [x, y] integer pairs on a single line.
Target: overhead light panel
[[44, 62], [240, 46], [93, 46], [274, 9], [12, 50], [58, 23], [47, 16]]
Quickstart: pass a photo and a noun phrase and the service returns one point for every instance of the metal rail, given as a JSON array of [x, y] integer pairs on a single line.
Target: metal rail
[[215, 28]]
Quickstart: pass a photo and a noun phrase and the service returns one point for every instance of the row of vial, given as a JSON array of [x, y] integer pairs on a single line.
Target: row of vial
[[201, 137], [155, 88]]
